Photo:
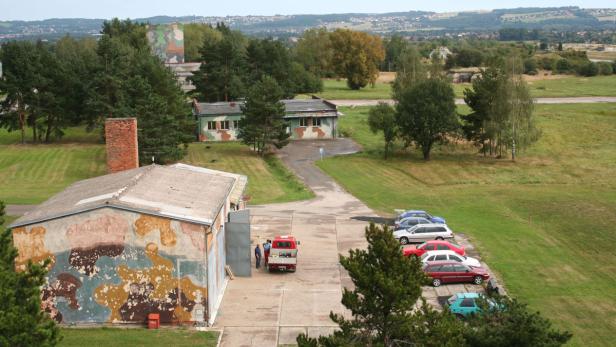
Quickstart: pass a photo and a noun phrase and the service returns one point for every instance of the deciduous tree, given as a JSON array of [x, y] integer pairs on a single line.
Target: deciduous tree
[[356, 56], [382, 117], [426, 114]]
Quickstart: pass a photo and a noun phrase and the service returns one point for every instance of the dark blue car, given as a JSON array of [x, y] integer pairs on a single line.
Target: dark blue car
[[422, 214]]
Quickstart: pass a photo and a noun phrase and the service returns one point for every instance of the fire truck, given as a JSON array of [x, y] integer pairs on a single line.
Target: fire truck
[[283, 254]]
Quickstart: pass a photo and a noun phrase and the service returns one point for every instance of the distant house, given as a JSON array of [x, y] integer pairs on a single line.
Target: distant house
[[441, 52], [308, 119]]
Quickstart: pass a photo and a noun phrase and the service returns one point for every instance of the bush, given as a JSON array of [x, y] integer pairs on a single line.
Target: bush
[[605, 68], [530, 66], [548, 63], [563, 66], [588, 70]]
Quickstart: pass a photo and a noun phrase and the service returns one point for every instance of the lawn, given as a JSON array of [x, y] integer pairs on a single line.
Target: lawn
[[562, 87], [545, 224], [30, 174], [269, 181], [103, 337]]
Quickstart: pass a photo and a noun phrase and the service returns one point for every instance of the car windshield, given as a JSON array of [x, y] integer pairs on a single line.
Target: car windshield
[[421, 246], [455, 245], [452, 299], [424, 256]]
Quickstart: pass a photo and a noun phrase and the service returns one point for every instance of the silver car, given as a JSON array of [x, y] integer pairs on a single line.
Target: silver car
[[423, 232]]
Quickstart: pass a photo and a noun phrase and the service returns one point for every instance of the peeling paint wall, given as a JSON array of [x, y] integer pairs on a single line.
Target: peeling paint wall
[[326, 130], [114, 266], [219, 133]]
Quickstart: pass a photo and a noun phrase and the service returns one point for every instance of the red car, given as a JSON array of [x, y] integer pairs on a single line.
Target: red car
[[454, 272], [435, 245]]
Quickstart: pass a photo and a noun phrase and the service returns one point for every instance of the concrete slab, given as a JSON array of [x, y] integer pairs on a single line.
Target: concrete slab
[[288, 335], [249, 337]]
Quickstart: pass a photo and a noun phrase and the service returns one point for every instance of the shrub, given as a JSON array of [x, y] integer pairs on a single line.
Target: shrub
[[588, 69], [605, 68]]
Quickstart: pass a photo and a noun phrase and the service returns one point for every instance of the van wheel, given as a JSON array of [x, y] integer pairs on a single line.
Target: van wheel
[[478, 280], [404, 240], [436, 282]]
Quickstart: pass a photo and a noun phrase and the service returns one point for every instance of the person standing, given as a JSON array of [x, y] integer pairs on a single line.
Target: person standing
[[266, 251], [258, 256]]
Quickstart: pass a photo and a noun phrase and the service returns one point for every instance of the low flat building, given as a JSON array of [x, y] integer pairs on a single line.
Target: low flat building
[[139, 240], [307, 119]]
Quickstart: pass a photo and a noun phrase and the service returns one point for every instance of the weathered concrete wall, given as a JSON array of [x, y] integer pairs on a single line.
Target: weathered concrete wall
[[218, 134], [325, 131], [116, 266]]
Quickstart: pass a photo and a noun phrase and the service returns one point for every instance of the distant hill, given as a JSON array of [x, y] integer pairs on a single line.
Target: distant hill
[[416, 22]]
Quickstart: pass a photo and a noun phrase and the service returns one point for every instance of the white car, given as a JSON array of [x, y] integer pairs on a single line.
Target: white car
[[423, 232], [448, 255]]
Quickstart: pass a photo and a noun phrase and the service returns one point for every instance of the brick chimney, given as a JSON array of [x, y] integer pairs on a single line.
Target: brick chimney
[[121, 143]]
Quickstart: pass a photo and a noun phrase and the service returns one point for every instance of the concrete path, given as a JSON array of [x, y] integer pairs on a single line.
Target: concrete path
[[566, 100]]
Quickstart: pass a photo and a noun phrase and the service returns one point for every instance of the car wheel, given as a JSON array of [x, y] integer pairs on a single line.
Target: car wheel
[[440, 238], [404, 240], [478, 280], [436, 282], [459, 316]]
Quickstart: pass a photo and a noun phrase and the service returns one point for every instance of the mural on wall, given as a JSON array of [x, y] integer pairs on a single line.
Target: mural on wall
[[167, 42], [117, 266]]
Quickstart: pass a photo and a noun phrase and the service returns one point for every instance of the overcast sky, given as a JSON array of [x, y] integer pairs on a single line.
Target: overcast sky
[[43, 9]]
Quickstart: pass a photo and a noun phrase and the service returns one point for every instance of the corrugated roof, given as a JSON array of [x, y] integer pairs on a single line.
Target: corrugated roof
[[300, 105], [178, 192], [241, 181]]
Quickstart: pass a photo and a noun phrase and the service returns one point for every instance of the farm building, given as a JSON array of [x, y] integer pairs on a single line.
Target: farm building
[[136, 241], [308, 119]]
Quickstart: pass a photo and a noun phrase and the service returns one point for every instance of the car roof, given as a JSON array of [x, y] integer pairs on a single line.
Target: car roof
[[445, 262], [441, 251], [467, 295], [413, 211]]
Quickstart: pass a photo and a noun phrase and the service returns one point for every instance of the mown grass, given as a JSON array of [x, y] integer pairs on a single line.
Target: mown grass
[[269, 181], [30, 174], [562, 87], [104, 337], [545, 223]]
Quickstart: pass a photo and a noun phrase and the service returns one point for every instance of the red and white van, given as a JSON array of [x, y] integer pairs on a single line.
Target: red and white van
[[283, 254]]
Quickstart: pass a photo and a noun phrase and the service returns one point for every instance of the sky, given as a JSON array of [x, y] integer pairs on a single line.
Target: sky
[[43, 9]]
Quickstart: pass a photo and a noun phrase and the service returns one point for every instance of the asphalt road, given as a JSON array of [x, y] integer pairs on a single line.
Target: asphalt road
[[567, 100]]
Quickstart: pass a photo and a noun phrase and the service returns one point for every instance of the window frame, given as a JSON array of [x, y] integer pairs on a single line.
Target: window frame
[[224, 125], [316, 122], [303, 122], [211, 125], [236, 124]]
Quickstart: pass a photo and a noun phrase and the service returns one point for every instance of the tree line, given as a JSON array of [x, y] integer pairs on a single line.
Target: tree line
[[501, 117], [50, 87]]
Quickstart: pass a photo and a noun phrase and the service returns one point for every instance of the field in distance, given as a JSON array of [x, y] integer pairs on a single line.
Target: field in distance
[[545, 224]]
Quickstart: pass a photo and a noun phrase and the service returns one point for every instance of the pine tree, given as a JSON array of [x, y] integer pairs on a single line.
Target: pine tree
[[263, 124], [22, 322]]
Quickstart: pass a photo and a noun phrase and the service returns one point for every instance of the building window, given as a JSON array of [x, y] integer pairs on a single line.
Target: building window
[[224, 125], [236, 124], [316, 122], [303, 122], [211, 125]]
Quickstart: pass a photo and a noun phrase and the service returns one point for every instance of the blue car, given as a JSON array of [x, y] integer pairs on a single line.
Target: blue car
[[422, 214], [464, 304]]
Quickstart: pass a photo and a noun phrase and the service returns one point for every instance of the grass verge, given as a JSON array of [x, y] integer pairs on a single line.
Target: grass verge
[[95, 337], [544, 223]]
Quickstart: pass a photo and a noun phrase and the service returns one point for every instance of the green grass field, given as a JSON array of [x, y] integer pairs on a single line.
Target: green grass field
[[563, 87], [30, 174], [545, 224], [103, 337]]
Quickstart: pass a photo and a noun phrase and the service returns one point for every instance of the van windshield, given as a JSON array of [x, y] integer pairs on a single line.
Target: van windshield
[[282, 244]]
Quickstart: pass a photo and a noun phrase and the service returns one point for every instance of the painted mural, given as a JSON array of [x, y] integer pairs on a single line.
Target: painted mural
[[113, 266], [167, 42]]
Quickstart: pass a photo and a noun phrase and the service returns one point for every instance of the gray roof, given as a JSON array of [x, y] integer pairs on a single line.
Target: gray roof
[[291, 106], [239, 187], [177, 192]]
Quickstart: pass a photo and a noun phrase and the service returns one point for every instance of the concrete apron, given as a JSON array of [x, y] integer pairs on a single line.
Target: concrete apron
[[271, 309]]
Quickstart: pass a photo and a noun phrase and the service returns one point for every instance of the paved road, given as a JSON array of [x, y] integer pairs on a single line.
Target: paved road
[[272, 309], [568, 100]]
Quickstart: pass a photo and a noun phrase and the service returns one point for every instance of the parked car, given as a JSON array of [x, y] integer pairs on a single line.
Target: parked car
[[454, 272], [409, 222], [465, 304], [435, 245], [431, 256], [423, 232], [422, 214]]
